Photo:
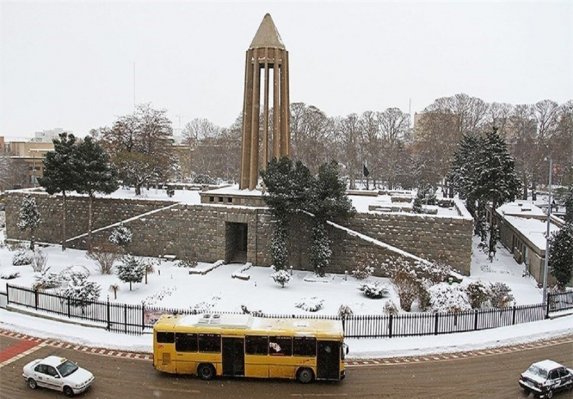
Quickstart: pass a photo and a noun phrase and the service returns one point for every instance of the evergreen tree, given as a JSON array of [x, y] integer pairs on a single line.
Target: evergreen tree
[[327, 201], [60, 173], [496, 181], [561, 255], [131, 271], [98, 175], [288, 185], [80, 291], [29, 217]]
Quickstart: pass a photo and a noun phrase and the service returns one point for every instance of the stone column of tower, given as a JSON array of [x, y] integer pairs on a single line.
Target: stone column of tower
[[266, 52]]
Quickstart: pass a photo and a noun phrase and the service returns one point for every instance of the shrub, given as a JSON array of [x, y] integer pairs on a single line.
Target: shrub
[[478, 294], [9, 274], [390, 308], [47, 279], [501, 296], [312, 304], [281, 277], [374, 291], [105, 256], [362, 272], [23, 257], [407, 287], [448, 298], [188, 260], [424, 297], [344, 311], [39, 261]]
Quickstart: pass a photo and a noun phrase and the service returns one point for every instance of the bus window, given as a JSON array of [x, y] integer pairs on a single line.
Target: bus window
[[186, 342], [209, 343], [304, 346], [165, 337], [280, 346], [256, 345]]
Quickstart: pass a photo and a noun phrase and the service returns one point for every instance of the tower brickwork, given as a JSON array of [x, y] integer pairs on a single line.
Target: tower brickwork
[[266, 54]]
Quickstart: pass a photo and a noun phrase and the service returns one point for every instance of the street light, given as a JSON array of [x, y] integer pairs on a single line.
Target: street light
[[547, 238]]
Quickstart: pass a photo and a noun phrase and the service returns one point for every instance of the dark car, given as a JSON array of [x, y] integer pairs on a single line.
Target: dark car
[[546, 377]]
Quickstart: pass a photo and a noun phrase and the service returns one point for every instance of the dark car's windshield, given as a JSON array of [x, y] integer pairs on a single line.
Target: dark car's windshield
[[67, 368], [538, 371]]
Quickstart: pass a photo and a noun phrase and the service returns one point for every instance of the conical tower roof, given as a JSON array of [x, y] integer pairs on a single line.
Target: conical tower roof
[[267, 35]]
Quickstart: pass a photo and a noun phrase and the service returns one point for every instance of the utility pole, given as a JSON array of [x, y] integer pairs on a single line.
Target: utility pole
[[547, 238]]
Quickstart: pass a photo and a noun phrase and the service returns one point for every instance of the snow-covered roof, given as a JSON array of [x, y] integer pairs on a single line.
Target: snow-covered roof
[[53, 360], [522, 208], [533, 229]]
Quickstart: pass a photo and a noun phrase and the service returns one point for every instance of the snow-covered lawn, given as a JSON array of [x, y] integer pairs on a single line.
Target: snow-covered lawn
[[173, 286]]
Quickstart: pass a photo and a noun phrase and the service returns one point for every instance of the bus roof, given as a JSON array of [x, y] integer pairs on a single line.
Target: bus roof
[[241, 323]]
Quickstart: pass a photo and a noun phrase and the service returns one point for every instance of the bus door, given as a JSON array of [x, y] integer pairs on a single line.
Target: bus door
[[233, 356], [328, 360]]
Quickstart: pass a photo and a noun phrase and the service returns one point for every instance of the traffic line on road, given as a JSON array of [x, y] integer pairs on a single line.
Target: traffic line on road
[[18, 351]]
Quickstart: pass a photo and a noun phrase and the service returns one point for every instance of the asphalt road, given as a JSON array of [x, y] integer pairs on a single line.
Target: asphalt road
[[483, 376]]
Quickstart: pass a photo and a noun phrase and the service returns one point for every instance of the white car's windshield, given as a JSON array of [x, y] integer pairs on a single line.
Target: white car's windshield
[[538, 371], [67, 368]]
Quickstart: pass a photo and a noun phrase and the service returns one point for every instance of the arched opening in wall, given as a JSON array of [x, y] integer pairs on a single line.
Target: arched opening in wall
[[236, 242]]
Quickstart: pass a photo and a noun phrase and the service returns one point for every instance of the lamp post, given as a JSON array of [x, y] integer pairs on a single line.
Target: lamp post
[[547, 238]]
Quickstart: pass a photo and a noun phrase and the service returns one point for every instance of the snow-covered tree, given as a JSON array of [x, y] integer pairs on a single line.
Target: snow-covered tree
[[98, 175], [281, 277], [287, 184], [29, 217], [121, 236], [61, 172], [131, 270], [561, 255], [80, 291], [320, 251]]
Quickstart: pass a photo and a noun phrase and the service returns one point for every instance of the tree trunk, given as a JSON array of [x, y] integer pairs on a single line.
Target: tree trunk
[[32, 239], [64, 221], [524, 186], [90, 221], [533, 191], [138, 189]]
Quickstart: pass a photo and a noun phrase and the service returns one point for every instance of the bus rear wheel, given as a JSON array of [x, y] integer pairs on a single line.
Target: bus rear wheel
[[304, 375], [206, 371]]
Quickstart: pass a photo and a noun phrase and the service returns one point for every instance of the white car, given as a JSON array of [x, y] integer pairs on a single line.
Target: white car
[[546, 377], [57, 373]]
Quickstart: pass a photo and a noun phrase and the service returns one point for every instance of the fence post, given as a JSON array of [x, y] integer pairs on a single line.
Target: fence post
[[36, 299], [436, 324], [143, 317], [108, 315], [390, 326], [125, 316], [476, 319], [513, 316], [69, 308], [7, 295], [547, 305]]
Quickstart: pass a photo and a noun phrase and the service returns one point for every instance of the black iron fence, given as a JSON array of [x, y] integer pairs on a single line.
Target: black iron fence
[[136, 319]]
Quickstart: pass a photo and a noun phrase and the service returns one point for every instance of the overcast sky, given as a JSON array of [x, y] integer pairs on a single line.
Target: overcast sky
[[70, 64]]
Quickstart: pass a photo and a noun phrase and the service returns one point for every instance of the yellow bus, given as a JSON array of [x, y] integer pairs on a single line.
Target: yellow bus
[[212, 345]]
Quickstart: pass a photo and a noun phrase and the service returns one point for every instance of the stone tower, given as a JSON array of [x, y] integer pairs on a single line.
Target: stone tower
[[266, 54]]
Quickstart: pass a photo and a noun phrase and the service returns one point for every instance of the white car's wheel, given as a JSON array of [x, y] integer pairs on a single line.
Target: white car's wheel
[[68, 391], [32, 383]]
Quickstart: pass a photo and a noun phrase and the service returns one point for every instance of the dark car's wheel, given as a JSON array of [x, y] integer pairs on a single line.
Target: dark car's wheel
[[206, 371], [68, 391], [304, 376], [549, 394], [32, 383]]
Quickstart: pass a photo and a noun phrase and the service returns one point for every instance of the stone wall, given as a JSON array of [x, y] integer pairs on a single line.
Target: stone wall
[[186, 230]]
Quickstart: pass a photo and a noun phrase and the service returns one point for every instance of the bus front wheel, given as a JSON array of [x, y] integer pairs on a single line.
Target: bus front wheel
[[206, 371], [304, 375]]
